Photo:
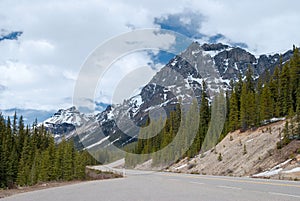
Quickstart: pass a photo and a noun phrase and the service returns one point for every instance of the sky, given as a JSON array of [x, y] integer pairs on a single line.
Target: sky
[[43, 44]]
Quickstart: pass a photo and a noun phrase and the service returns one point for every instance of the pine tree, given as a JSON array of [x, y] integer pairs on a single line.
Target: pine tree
[[68, 158], [294, 77], [204, 118], [244, 108], [23, 177], [79, 168], [218, 115], [7, 144], [12, 167], [285, 97], [14, 126], [234, 122], [45, 173], [21, 134], [35, 168], [59, 160], [226, 128], [266, 105], [248, 106], [249, 79], [3, 176], [275, 92]]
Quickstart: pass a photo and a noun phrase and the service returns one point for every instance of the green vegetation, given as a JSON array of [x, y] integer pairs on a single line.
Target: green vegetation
[[253, 104], [29, 156], [190, 131], [220, 158], [249, 104], [245, 150]]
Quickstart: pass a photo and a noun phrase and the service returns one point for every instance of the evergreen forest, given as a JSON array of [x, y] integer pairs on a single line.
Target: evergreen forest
[[248, 104], [29, 155]]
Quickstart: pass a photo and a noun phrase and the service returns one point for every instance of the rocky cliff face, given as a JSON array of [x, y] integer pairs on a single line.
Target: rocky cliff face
[[179, 80], [65, 121]]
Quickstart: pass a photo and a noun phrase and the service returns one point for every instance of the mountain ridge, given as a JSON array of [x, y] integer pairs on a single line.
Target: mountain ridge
[[216, 64]]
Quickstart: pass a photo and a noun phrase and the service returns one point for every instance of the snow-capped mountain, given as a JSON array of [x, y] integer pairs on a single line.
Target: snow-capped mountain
[[69, 116], [179, 80], [65, 121]]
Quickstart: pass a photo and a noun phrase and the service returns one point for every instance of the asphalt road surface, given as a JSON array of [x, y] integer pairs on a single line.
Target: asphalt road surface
[[161, 186]]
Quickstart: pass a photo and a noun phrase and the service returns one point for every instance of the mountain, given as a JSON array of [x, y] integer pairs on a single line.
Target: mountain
[[65, 121], [180, 80]]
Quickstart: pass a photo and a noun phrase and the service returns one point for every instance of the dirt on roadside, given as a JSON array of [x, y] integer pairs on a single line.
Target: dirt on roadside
[[40, 186], [246, 154], [91, 175]]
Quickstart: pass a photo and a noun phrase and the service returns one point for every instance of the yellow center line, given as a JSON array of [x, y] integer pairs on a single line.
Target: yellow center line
[[237, 181]]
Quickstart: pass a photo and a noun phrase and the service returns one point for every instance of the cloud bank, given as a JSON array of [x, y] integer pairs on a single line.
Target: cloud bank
[[40, 62]]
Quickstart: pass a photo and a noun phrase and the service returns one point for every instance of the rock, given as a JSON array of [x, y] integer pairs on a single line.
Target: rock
[[216, 64]]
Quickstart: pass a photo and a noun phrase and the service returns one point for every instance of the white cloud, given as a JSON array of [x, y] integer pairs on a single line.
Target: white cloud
[[39, 70], [38, 45], [265, 26], [124, 76], [36, 87]]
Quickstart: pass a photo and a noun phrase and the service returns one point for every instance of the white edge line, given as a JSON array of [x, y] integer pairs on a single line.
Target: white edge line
[[230, 187], [194, 182], [174, 179], [283, 194]]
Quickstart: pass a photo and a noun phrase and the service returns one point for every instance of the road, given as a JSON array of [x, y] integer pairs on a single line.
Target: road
[[162, 186]]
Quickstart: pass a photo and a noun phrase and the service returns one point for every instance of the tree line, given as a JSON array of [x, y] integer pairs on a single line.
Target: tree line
[[29, 155], [186, 133], [248, 103], [252, 103]]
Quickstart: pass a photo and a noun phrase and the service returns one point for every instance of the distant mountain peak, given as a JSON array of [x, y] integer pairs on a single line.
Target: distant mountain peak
[[66, 120], [214, 47]]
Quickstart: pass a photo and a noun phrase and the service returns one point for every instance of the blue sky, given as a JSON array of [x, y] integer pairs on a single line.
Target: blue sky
[[39, 66]]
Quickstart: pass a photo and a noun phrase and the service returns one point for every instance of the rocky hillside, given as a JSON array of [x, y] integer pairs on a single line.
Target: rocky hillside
[[251, 153], [180, 79]]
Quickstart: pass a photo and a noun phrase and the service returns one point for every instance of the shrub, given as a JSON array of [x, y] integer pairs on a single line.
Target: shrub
[[191, 165], [245, 150], [220, 158]]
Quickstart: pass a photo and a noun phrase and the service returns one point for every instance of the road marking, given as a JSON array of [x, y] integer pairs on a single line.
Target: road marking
[[230, 187], [194, 182], [174, 179], [250, 182], [237, 181], [283, 194]]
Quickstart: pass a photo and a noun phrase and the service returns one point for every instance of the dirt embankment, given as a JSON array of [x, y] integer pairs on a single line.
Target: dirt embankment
[[247, 154], [40, 186], [91, 174]]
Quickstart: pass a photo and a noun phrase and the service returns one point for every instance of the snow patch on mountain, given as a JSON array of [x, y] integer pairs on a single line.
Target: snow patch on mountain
[[69, 116], [180, 79], [97, 143]]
